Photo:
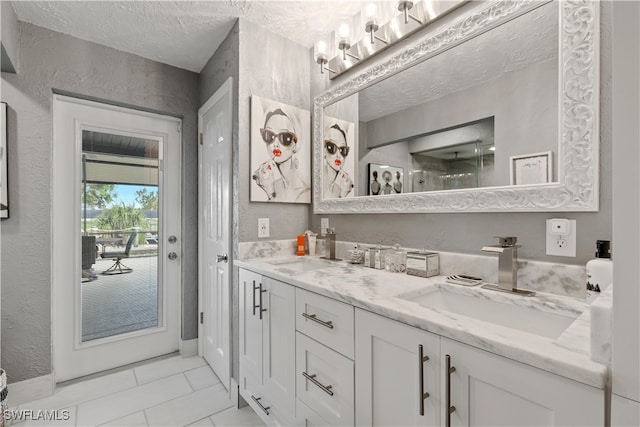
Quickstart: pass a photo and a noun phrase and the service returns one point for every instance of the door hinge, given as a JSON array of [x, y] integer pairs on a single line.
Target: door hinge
[[201, 139], [179, 127], [201, 317]]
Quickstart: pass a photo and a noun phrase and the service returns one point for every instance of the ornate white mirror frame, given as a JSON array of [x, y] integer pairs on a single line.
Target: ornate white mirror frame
[[577, 183]]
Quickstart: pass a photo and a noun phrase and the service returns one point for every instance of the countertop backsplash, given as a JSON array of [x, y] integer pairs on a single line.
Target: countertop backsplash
[[556, 278]]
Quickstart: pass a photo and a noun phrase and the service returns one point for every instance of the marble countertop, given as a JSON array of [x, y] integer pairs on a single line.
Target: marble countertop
[[389, 294]]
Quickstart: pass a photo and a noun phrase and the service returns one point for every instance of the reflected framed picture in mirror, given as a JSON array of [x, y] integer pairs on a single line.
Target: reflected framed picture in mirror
[[339, 152], [531, 168], [4, 195], [385, 179]]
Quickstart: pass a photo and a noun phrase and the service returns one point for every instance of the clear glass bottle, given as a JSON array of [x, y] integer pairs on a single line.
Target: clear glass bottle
[[356, 256], [396, 260]]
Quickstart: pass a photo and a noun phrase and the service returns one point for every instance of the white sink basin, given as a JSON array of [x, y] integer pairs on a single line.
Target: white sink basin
[[528, 319], [302, 264]]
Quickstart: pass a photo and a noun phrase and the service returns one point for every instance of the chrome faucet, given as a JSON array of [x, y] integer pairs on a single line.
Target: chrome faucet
[[507, 266], [330, 245]]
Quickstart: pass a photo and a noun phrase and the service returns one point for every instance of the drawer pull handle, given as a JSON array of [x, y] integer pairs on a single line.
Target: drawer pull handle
[[421, 359], [450, 408], [312, 378], [257, 400], [313, 317]]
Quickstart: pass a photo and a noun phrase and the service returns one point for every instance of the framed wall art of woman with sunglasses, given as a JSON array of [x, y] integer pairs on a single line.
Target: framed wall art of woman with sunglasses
[[282, 177], [337, 182]]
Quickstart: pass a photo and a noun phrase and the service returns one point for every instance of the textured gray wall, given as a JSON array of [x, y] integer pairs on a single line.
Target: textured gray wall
[[275, 68], [8, 37], [468, 232], [224, 64], [51, 60]]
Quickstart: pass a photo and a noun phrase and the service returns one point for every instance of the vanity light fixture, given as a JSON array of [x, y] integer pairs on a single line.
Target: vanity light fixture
[[343, 43], [405, 6], [414, 16], [372, 26], [321, 57]]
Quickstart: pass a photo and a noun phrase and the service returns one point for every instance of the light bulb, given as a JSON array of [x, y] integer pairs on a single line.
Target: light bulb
[[321, 48], [370, 11], [343, 31]]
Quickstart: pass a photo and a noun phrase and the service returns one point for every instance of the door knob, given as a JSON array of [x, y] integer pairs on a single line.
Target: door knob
[[172, 255], [172, 239], [222, 258]]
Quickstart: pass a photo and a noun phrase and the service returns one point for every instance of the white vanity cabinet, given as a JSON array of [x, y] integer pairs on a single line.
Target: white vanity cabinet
[[490, 390], [397, 373], [267, 347], [485, 389], [307, 359]]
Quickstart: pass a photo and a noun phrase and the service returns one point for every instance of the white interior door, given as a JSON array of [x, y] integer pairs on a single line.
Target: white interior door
[[116, 274], [214, 218]]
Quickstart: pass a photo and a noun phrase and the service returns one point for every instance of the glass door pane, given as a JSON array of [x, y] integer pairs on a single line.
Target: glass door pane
[[119, 226]]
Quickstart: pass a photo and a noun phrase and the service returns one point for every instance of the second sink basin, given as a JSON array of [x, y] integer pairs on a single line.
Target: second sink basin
[[527, 319]]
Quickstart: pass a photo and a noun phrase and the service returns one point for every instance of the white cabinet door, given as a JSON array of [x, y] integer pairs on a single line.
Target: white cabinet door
[[250, 334], [389, 387], [267, 347], [279, 344], [490, 390]]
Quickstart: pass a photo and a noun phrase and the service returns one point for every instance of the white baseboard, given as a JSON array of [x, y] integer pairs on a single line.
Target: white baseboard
[[28, 390], [188, 348]]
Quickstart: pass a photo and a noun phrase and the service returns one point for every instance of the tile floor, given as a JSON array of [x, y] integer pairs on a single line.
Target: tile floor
[[174, 391]]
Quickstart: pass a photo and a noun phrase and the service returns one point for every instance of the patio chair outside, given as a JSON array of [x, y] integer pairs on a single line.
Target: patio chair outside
[[118, 267]]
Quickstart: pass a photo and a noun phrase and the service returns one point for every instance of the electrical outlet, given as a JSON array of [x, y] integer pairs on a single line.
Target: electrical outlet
[[561, 237], [263, 227], [324, 224]]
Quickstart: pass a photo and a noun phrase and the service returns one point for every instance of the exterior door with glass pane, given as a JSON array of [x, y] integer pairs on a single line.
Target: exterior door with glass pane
[[116, 240]]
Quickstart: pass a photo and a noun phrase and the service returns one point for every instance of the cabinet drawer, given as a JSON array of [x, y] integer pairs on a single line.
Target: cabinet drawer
[[325, 381], [326, 320], [307, 417]]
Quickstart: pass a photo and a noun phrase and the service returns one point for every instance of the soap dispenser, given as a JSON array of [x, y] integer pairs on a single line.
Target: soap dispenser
[[599, 270]]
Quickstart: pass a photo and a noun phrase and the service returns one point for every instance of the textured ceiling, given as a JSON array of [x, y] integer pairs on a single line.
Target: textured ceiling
[[184, 33]]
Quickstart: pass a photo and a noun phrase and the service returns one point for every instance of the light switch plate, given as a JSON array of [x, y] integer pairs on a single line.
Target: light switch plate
[[263, 227], [561, 244]]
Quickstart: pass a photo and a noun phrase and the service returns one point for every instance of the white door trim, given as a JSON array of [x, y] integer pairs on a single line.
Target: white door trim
[[63, 219], [225, 88]]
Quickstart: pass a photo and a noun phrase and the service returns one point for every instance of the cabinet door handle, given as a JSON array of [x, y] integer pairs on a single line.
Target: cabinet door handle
[[328, 323], [254, 297], [450, 408], [312, 378], [260, 301], [257, 400], [421, 359]]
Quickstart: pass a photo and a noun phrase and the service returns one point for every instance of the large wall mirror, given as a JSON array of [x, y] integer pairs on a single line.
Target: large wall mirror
[[494, 109]]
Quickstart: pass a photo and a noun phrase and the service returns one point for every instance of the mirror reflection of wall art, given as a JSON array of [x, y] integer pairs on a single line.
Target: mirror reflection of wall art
[[339, 154], [4, 197], [280, 152], [385, 179], [531, 169]]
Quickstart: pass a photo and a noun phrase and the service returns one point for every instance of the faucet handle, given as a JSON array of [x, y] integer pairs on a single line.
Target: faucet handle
[[331, 230], [507, 241]]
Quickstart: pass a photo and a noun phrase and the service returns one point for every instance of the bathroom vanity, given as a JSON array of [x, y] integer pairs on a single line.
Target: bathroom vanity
[[331, 343]]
